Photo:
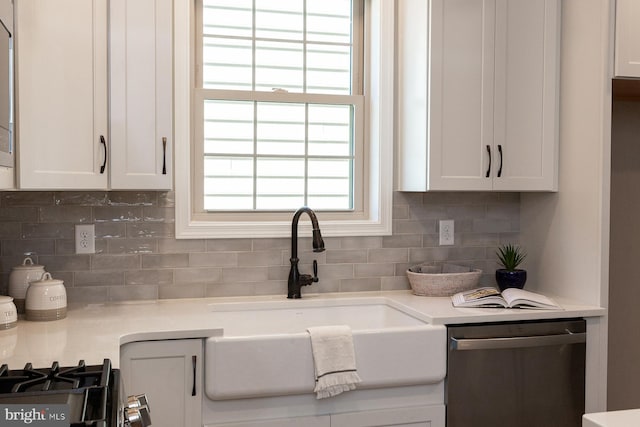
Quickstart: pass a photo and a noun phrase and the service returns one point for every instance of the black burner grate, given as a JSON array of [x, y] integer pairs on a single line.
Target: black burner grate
[[91, 391]]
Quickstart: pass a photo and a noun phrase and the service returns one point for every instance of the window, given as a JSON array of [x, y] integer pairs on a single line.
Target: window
[[279, 116]]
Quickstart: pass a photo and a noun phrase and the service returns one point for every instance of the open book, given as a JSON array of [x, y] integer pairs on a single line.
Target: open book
[[509, 298]]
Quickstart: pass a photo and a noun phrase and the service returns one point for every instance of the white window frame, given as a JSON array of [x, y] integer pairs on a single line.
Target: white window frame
[[375, 217]]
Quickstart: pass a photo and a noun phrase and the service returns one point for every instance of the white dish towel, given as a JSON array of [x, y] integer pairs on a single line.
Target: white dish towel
[[334, 360]]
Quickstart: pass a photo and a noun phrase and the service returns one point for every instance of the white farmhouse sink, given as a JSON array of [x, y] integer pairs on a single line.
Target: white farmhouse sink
[[265, 349]]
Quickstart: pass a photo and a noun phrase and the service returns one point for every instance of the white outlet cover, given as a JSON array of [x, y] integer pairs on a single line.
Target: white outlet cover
[[85, 239], [446, 232]]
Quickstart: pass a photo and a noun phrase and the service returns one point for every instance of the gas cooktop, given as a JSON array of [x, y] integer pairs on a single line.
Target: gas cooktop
[[91, 392]]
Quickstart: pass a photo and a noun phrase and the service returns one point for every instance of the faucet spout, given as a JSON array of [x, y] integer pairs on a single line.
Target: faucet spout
[[297, 280]]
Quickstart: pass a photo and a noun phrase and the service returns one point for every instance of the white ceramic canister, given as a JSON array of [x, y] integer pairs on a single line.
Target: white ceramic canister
[[19, 279], [8, 313], [46, 299]]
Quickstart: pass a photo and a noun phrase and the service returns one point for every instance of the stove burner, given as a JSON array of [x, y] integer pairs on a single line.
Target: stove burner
[[54, 378], [90, 391]]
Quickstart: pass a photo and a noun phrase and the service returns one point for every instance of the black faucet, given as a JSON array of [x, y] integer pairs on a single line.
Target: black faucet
[[297, 280]]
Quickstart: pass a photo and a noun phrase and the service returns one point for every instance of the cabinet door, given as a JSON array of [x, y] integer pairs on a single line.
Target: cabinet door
[[61, 70], [461, 98], [170, 374], [141, 94], [425, 416], [627, 44], [526, 101], [446, 72]]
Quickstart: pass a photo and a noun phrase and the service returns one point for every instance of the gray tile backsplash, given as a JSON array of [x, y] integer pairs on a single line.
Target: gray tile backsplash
[[137, 256]]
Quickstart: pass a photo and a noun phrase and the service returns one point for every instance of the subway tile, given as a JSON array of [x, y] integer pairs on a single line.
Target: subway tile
[[400, 212], [88, 294], [133, 198], [414, 227], [115, 262], [374, 270], [166, 198], [491, 225], [99, 278], [81, 198], [75, 214], [226, 245], [213, 259], [360, 285], [388, 255], [425, 212], [197, 275], [65, 262], [19, 214], [256, 259], [347, 256], [150, 229], [506, 211], [270, 244], [478, 239], [158, 214], [272, 287], [165, 260], [22, 247], [230, 290], [324, 285], [192, 290], [361, 242], [27, 198], [48, 231], [10, 230], [402, 241], [133, 293], [161, 277], [110, 230], [396, 283], [131, 246], [335, 271], [407, 198], [245, 274], [168, 246], [118, 214]]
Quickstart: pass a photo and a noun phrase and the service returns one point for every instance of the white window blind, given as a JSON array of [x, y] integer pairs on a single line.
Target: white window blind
[[279, 105]]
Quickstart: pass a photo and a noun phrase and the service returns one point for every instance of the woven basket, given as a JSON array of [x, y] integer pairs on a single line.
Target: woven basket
[[442, 280]]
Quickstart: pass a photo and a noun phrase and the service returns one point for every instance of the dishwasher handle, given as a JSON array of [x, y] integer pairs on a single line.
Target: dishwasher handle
[[516, 342]]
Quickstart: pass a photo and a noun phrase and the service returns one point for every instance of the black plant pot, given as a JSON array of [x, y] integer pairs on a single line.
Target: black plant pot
[[511, 278]]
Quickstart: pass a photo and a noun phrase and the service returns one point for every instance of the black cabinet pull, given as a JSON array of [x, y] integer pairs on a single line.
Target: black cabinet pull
[[104, 146], [500, 168], [164, 155], [193, 363], [489, 168]]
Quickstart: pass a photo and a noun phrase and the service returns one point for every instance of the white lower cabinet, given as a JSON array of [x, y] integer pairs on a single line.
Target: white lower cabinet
[[421, 416], [169, 372]]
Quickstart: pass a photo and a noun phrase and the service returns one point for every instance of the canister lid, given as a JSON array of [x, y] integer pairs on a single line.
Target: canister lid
[[29, 265], [47, 280], [5, 299]]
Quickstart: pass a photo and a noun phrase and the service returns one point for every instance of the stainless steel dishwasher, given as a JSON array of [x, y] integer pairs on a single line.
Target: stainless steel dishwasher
[[516, 374]]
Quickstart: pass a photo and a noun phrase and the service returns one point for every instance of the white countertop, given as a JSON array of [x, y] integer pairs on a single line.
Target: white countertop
[[96, 331], [627, 418]]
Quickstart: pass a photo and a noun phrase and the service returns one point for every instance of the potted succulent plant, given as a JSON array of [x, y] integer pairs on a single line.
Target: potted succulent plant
[[510, 276]]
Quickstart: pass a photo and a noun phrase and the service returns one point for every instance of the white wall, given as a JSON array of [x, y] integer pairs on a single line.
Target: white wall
[[567, 233]]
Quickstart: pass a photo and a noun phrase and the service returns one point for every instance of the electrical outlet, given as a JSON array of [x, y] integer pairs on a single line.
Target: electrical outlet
[[446, 232], [85, 239]]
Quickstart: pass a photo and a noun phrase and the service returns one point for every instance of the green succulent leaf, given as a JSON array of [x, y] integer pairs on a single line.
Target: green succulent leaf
[[510, 256]]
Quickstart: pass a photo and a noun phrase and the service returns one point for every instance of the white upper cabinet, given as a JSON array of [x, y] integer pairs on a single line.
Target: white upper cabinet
[[85, 122], [141, 104], [61, 78], [627, 44], [478, 95]]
